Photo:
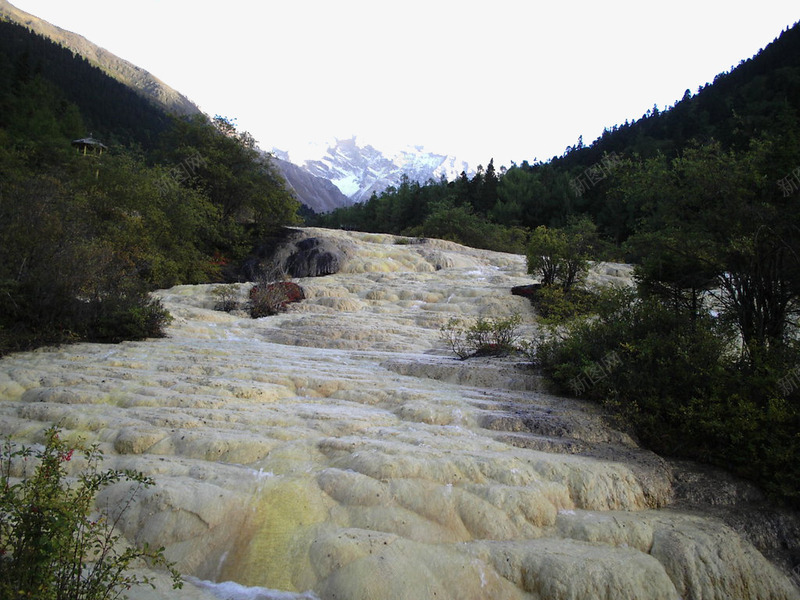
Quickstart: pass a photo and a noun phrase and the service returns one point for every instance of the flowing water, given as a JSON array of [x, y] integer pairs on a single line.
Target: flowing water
[[340, 451]]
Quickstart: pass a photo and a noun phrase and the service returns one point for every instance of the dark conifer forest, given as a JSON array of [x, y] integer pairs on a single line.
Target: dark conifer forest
[[86, 233]]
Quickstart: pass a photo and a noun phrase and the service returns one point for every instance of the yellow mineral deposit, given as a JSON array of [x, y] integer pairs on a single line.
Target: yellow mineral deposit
[[339, 451]]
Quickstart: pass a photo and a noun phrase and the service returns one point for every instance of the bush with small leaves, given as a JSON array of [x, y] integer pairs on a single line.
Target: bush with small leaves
[[484, 337], [53, 544], [136, 316], [226, 296], [677, 384], [561, 256], [555, 306]]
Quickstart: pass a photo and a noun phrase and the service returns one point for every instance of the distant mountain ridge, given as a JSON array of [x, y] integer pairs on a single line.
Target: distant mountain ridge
[[144, 83], [317, 193], [358, 170]]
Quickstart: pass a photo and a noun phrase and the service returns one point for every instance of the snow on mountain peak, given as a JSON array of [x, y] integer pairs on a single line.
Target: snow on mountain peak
[[361, 170]]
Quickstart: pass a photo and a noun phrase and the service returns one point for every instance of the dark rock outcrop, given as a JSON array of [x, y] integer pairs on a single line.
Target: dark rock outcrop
[[290, 253], [314, 257], [526, 291], [261, 264]]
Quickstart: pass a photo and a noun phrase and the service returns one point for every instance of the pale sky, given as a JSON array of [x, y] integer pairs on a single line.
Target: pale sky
[[511, 80]]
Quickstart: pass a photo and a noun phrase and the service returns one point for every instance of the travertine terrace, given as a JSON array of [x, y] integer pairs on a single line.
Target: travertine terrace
[[338, 451]]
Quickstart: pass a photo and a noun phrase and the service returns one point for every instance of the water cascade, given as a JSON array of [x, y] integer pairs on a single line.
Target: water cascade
[[339, 451]]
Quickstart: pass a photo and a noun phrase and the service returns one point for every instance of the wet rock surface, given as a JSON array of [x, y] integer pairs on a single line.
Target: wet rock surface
[[338, 451]]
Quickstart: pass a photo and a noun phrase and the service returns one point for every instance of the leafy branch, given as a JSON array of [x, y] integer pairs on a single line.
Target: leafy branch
[[485, 337], [53, 544]]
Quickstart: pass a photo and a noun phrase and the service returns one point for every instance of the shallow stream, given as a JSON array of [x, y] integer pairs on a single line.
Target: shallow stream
[[340, 451]]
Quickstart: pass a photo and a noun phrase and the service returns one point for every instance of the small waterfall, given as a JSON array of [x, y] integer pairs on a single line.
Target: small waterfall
[[338, 451]]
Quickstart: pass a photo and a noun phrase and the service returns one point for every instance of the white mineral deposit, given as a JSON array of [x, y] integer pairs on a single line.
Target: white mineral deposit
[[341, 451]]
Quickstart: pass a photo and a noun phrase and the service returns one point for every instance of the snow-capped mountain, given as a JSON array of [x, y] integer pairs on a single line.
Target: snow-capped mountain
[[358, 170]]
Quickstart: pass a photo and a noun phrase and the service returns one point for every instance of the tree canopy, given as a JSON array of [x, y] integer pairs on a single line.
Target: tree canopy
[[84, 237]]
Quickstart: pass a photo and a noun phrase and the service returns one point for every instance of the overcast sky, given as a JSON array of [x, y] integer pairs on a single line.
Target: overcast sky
[[511, 80]]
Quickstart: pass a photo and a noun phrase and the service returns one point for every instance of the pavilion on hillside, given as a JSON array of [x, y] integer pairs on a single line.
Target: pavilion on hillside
[[89, 145]]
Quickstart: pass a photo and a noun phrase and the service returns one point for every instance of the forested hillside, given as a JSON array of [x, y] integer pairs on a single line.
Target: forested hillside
[[758, 100], [85, 234], [109, 109], [139, 80]]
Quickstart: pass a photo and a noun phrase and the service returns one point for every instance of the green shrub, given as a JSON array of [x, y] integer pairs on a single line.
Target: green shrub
[[405, 241], [678, 384], [556, 306], [53, 545], [662, 362], [484, 337], [561, 256], [226, 297], [135, 317]]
